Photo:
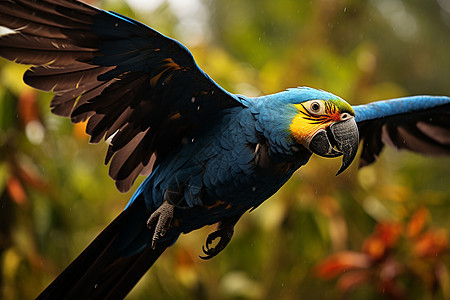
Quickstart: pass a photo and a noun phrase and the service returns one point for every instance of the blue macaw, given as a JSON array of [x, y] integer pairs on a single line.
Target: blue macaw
[[211, 155]]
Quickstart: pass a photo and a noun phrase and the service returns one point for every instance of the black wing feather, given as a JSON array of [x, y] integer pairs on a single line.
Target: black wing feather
[[139, 89], [426, 131]]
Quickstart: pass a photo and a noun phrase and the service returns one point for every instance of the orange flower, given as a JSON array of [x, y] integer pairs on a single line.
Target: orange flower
[[16, 191], [389, 232], [341, 262], [384, 237], [375, 247], [417, 222], [392, 253], [352, 280], [431, 244]]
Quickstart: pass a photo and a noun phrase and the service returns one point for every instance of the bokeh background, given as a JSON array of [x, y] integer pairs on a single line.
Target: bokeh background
[[381, 232]]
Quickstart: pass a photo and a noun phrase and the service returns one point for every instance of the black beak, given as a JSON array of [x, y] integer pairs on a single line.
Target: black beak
[[344, 135]]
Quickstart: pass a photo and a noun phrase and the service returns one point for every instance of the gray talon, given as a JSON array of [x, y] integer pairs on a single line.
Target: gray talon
[[160, 220]]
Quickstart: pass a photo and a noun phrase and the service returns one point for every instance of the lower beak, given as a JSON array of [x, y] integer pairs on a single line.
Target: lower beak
[[344, 135]]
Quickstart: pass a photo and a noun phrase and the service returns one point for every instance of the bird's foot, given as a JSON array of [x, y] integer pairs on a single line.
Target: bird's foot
[[224, 233], [159, 221]]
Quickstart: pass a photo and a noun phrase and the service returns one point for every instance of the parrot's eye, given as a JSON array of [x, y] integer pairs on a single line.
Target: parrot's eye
[[345, 116], [316, 107]]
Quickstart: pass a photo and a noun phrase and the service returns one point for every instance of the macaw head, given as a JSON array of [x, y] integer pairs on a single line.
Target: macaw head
[[325, 124]]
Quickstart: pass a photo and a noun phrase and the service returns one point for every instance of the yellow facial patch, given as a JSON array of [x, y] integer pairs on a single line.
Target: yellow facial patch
[[311, 117]]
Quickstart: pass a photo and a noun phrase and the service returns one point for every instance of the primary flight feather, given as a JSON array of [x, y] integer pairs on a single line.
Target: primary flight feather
[[211, 155]]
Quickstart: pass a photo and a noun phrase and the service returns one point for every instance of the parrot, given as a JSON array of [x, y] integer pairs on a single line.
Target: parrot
[[209, 155]]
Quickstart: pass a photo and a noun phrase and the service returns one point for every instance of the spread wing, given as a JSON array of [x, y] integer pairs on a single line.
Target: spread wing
[[418, 123], [136, 87]]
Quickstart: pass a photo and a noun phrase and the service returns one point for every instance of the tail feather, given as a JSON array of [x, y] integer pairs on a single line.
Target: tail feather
[[100, 271], [135, 271]]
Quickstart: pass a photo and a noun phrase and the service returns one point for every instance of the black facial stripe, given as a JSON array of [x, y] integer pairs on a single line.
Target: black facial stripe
[[317, 119]]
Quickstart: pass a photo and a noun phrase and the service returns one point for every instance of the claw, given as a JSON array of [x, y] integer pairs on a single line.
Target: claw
[[159, 221], [225, 234]]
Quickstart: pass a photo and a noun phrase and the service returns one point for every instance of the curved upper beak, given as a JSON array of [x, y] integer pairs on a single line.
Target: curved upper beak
[[341, 138]]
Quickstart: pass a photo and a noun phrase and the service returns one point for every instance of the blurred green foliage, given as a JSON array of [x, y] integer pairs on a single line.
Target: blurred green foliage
[[55, 195]]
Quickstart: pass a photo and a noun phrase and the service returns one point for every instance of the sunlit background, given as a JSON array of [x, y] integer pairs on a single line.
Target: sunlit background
[[378, 233]]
